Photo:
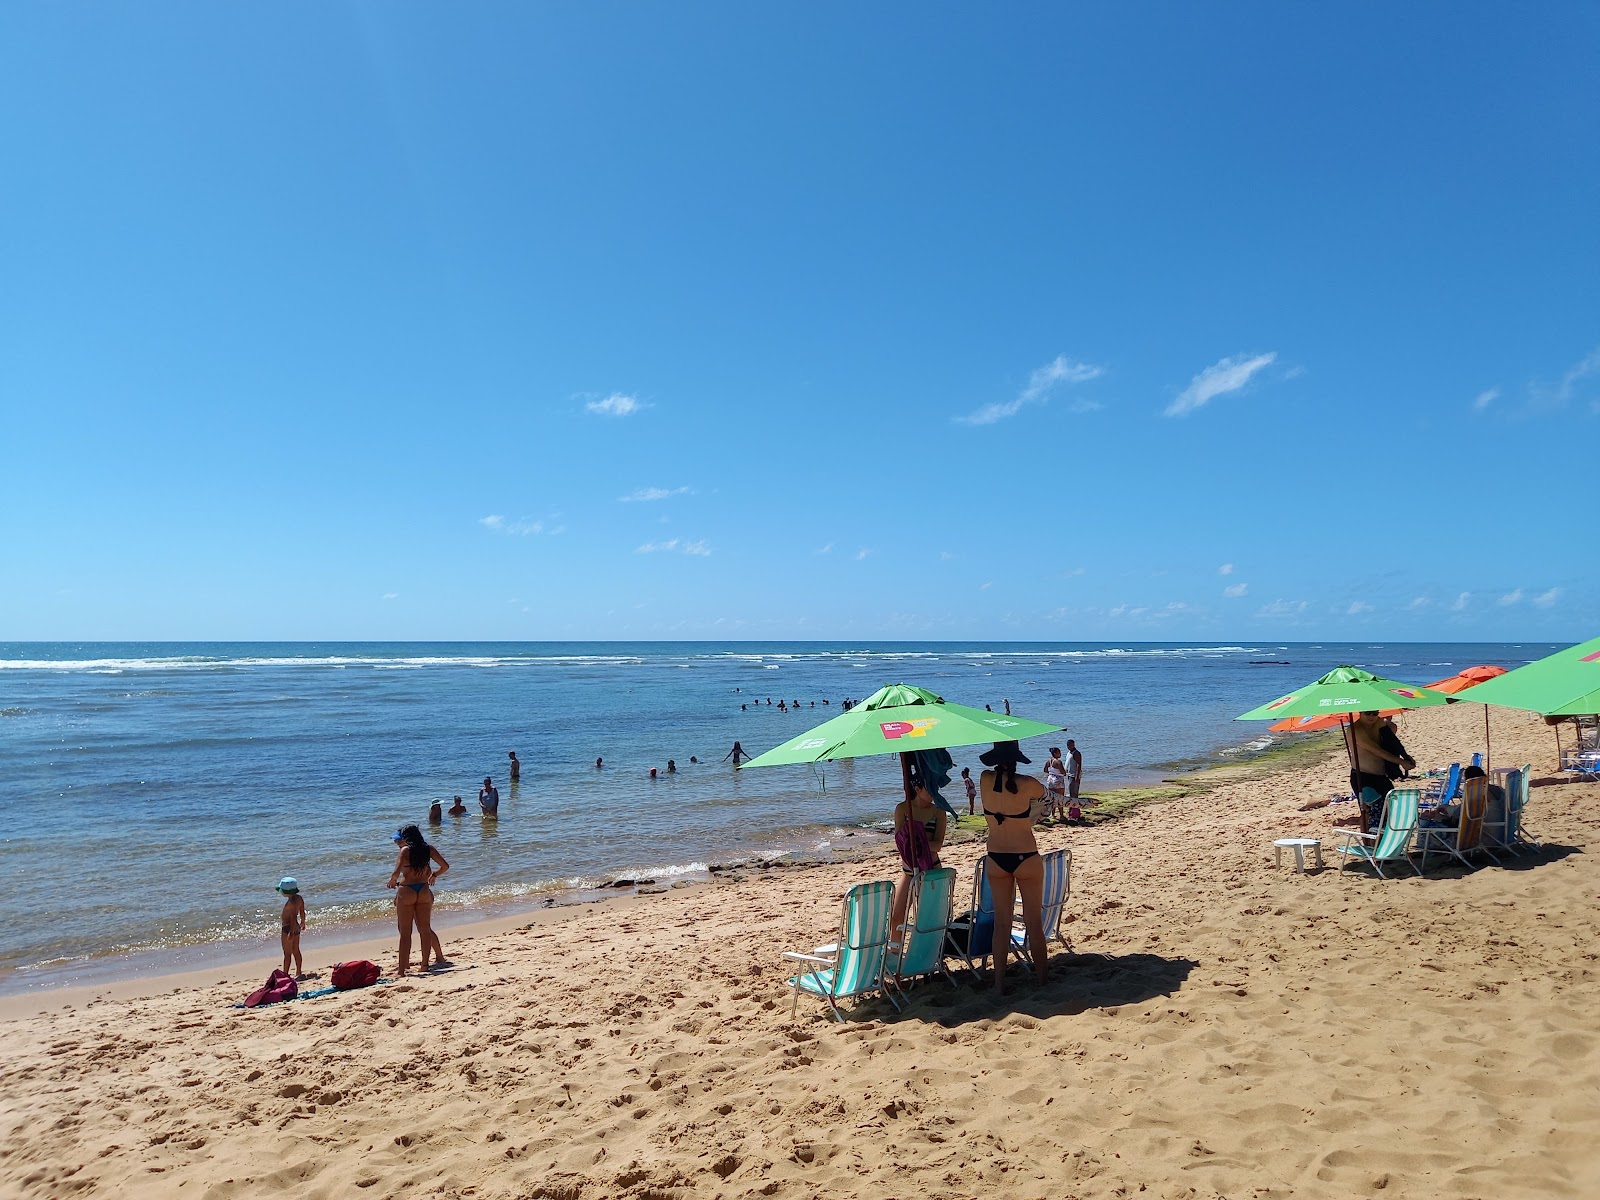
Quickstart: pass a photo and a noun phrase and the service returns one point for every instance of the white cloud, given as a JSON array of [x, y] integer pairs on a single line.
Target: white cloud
[[1461, 601], [698, 547], [1420, 602], [1237, 589], [1510, 598], [1357, 607], [1040, 383], [945, 556], [524, 527], [828, 549], [391, 595], [1282, 608], [1219, 379], [618, 404], [1485, 398], [652, 493], [1547, 599], [862, 553], [1578, 372], [984, 587], [1225, 569]]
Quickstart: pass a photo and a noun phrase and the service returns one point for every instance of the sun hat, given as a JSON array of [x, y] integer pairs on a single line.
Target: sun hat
[[288, 885]]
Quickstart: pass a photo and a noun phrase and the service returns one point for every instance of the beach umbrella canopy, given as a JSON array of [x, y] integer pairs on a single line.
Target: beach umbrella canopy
[[1565, 684], [1471, 677], [1346, 690], [900, 719]]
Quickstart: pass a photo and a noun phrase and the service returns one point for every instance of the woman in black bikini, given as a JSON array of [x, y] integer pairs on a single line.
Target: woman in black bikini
[[1014, 866], [414, 870]]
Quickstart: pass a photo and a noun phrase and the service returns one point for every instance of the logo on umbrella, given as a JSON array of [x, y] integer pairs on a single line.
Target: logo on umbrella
[[1281, 701], [899, 729], [1406, 692], [812, 744], [1595, 657]]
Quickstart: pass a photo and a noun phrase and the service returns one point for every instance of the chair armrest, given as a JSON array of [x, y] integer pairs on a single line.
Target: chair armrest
[[796, 956], [1350, 835]]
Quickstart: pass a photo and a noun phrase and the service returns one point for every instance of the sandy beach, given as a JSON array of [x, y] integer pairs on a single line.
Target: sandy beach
[[1224, 1027]]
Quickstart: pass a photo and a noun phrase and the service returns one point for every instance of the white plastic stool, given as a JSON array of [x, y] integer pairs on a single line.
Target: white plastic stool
[[1299, 846]]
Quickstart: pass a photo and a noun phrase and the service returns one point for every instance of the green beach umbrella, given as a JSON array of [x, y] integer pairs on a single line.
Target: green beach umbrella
[[1565, 684], [1347, 690], [900, 719]]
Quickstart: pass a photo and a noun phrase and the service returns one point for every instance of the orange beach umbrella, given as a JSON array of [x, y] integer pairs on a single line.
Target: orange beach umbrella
[[1462, 680]]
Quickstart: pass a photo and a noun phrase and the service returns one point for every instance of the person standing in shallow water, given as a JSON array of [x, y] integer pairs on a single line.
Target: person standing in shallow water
[[516, 767], [489, 798], [737, 753]]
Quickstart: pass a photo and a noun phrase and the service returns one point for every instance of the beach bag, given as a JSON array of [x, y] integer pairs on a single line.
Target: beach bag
[[280, 987], [916, 851], [975, 939], [358, 974]]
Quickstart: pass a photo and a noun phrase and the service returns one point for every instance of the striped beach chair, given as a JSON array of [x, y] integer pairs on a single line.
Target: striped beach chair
[[1517, 808], [1391, 842], [924, 950], [853, 965], [1467, 836]]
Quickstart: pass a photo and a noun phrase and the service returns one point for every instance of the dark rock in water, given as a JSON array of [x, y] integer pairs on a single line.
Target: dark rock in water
[[680, 883], [626, 882], [653, 890]]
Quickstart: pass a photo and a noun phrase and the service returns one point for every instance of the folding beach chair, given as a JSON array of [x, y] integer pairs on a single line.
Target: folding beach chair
[[1468, 833], [1443, 793], [1391, 842], [1053, 902], [1517, 809], [924, 949], [853, 965]]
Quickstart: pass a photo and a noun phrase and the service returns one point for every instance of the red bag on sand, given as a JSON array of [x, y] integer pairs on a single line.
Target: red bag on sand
[[358, 974], [280, 987]]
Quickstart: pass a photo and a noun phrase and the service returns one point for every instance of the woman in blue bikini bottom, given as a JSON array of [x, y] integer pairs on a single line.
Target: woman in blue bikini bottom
[[417, 866], [1014, 867]]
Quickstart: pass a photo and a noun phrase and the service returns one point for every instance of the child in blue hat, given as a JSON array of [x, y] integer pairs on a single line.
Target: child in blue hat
[[293, 922]]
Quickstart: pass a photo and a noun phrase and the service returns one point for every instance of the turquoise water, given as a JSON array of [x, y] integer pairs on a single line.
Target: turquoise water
[[156, 792]]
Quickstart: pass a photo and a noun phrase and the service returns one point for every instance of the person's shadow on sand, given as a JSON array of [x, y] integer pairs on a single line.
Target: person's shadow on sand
[[1078, 982]]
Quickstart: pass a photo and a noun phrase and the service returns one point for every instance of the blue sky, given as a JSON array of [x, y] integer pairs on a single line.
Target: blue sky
[[1167, 321]]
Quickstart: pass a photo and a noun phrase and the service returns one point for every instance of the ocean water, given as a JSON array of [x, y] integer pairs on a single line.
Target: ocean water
[[155, 793]]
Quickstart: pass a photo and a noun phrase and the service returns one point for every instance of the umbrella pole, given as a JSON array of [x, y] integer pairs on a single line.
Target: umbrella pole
[[1488, 757], [1556, 729]]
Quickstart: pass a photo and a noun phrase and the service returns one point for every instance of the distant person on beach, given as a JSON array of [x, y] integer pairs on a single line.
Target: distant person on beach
[[598, 763], [516, 767], [972, 790], [415, 868], [652, 772], [1014, 867], [435, 814], [921, 809], [489, 798], [1055, 783], [1074, 769], [672, 767], [693, 759], [458, 809], [1007, 703], [737, 753], [293, 923]]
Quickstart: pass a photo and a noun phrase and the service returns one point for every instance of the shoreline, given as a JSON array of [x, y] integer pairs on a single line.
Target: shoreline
[[136, 974]]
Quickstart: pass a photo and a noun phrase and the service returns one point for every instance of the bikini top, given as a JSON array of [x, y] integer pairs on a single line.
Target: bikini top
[[1001, 818]]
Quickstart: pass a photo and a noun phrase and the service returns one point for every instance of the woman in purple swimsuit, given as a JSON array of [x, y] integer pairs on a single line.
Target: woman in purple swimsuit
[[1014, 866], [414, 870]]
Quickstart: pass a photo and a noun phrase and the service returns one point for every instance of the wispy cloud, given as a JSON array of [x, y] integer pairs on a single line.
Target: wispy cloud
[[698, 547], [828, 549], [1225, 569], [945, 556], [618, 404], [1040, 384], [1420, 602], [1512, 597], [1357, 607], [1547, 599], [523, 527], [1229, 375], [1236, 590], [862, 553], [1485, 398], [1282, 608], [391, 595], [1587, 367], [1460, 602], [652, 493]]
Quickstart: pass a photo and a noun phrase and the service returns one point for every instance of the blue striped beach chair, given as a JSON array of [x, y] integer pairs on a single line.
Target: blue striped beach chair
[[923, 951], [1391, 842], [980, 930], [854, 965], [1517, 808]]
